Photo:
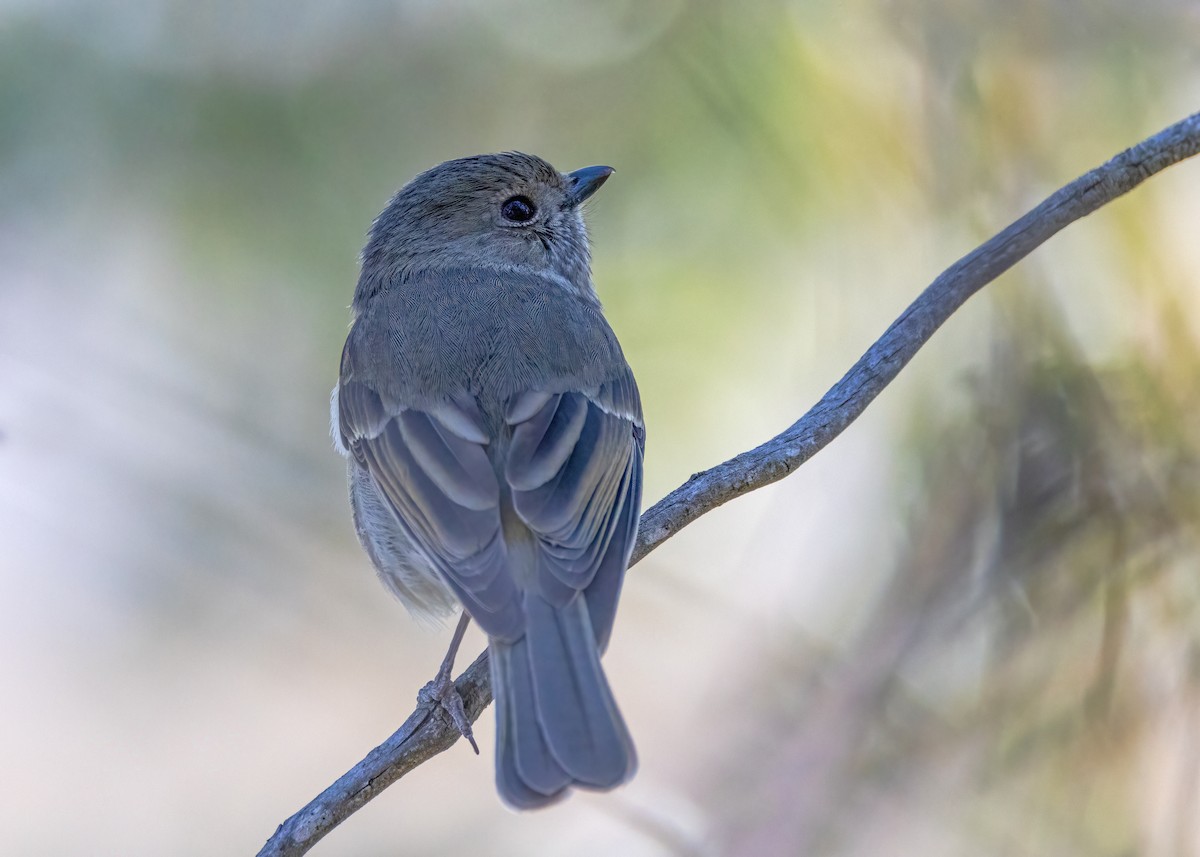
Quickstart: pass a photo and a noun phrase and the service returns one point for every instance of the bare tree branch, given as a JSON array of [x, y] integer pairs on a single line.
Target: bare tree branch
[[428, 731]]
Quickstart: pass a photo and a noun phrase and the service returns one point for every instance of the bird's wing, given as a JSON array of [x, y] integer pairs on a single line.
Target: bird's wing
[[574, 468], [433, 469]]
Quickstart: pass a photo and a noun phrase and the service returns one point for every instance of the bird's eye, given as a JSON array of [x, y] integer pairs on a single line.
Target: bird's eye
[[518, 209]]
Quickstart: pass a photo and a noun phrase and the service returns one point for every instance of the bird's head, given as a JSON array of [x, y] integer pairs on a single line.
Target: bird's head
[[508, 211]]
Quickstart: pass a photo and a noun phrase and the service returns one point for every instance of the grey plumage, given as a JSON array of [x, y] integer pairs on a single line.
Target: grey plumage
[[495, 439]]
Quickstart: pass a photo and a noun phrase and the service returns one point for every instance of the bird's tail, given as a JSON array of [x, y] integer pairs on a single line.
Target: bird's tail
[[557, 723]]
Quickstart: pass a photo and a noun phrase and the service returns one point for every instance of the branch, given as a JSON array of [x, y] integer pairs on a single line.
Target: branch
[[428, 732]]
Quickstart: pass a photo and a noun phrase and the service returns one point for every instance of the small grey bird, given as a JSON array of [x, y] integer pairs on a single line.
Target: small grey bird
[[494, 436]]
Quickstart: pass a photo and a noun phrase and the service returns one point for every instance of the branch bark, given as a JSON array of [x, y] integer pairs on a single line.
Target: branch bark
[[428, 731]]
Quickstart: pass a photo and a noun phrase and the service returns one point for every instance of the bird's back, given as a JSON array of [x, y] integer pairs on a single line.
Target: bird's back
[[484, 332]]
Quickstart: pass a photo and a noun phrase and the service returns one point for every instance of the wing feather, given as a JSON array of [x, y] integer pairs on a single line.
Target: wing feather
[[439, 483], [575, 468]]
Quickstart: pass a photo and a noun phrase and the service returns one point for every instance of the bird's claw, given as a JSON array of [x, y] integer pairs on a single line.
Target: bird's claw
[[441, 691]]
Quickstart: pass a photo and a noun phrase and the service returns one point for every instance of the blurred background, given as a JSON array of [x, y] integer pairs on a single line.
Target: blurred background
[[969, 626]]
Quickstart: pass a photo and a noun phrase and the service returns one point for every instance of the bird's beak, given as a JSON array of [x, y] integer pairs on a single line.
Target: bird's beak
[[583, 183]]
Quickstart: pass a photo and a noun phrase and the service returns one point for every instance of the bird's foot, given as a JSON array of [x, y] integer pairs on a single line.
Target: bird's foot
[[441, 691]]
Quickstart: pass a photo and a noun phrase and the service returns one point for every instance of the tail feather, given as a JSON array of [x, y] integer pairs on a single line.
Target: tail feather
[[527, 776], [558, 724], [575, 706]]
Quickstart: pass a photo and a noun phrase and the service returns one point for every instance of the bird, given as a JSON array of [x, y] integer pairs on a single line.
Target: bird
[[494, 440]]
